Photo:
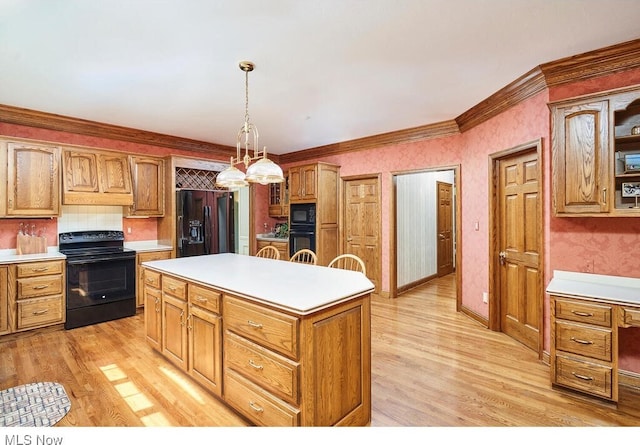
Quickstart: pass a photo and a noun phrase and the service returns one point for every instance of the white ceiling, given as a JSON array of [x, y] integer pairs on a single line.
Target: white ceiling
[[326, 70]]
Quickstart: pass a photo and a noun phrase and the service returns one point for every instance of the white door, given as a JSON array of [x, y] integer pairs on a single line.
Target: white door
[[242, 217]]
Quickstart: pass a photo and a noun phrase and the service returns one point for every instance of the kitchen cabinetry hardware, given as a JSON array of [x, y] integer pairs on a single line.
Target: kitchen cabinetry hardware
[[253, 324], [41, 269], [255, 365], [582, 377], [582, 314], [43, 286], [44, 311], [582, 342], [256, 407]]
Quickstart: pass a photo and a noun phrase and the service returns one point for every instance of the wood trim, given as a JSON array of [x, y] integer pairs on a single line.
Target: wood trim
[[474, 316], [609, 60], [49, 121], [413, 285], [440, 129]]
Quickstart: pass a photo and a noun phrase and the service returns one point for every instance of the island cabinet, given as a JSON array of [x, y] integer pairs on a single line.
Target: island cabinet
[[152, 308], [276, 356], [152, 277], [596, 154]]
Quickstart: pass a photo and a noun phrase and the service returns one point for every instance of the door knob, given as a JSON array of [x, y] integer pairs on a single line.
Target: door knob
[[349, 238], [503, 257]]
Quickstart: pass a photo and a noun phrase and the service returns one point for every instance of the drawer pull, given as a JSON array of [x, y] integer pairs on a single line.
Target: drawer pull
[[42, 312], [581, 377], [157, 304], [171, 288], [256, 407], [582, 314], [151, 280], [43, 286], [253, 324], [181, 320], [41, 269], [254, 365], [201, 299], [582, 342]]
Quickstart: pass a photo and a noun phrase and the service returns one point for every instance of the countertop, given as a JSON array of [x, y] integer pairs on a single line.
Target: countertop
[[604, 287], [295, 287], [146, 246], [9, 256], [263, 237]]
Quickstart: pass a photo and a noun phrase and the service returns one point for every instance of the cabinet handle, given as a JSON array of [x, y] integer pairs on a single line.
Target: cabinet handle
[[44, 311], [582, 314], [582, 342], [256, 407], [253, 324], [41, 269], [604, 195], [43, 286], [171, 288], [181, 320], [157, 304], [188, 325], [254, 365], [581, 377], [201, 299]]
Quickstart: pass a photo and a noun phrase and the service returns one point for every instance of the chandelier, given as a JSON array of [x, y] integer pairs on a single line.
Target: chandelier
[[263, 171]]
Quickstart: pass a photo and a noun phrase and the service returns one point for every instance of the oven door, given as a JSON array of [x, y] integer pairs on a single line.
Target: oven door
[[98, 280], [301, 239]]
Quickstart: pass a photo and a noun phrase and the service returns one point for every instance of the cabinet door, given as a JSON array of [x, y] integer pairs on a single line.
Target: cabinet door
[[174, 330], [33, 182], [205, 352], [152, 317], [581, 158], [114, 173], [148, 186], [309, 181], [4, 302], [80, 171], [295, 184]]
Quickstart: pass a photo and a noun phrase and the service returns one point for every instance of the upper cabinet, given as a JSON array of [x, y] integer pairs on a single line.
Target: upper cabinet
[[279, 198], [148, 186], [593, 155], [95, 177], [33, 180]]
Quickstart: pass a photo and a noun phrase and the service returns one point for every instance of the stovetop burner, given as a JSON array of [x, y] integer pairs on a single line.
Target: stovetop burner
[[92, 242]]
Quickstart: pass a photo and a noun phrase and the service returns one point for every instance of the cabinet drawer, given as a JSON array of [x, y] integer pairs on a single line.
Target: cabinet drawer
[[208, 299], [40, 286], [153, 256], [266, 327], [588, 341], [26, 270], [631, 316], [175, 287], [591, 313], [256, 404], [152, 278], [584, 376], [40, 312], [270, 370]]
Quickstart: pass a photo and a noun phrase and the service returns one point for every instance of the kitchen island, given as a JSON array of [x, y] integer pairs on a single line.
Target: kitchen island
[[284, 344]]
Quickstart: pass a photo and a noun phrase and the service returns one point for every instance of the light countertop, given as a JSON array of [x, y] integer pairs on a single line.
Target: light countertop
[[604, 287], [146, 246], [9, 256], [266, 237], [295, 287]]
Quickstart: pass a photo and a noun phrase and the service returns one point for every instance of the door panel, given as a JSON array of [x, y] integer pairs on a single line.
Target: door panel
[[445, 228]]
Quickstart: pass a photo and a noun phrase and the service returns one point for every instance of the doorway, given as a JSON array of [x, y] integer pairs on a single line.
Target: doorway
[[444, 193], [515, 266]]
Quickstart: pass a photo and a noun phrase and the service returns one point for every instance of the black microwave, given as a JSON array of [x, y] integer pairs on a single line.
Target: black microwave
[[302, 213]]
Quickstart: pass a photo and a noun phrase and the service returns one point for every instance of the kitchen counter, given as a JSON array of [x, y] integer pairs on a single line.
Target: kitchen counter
[[272, 238], [9, 256], [146, 246], [588, 285], [295, 287]]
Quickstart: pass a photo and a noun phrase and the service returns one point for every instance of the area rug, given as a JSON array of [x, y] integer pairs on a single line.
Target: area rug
[[33, 404]]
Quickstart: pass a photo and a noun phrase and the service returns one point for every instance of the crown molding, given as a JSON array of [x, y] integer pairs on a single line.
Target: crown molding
[[605, 61], [424, 132], [50, 121]]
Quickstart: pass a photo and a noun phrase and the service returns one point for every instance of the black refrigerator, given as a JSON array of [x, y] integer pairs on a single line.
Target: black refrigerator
[[205, 222]]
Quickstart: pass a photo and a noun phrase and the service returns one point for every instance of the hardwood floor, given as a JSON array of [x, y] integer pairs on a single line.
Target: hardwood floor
[[431, 366]]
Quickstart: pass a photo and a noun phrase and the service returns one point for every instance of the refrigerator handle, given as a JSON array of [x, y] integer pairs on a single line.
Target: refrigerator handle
[[206, 229], [181, 235]]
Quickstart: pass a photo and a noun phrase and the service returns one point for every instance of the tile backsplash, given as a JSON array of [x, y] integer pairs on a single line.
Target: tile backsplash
[[77, 217]]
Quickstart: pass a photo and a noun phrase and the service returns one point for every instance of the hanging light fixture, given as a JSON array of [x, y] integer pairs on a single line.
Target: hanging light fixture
[[264, 171]]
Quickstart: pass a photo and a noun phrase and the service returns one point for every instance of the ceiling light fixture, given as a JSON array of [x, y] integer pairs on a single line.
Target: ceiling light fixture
[[264, 171]]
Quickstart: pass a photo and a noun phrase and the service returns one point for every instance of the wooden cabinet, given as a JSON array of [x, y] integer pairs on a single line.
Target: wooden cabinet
[[152, 278], [174, 320], [96, 177], [279, 198], [303, 183], [596, 158], [152, 290], [286, 370], [282, 246], [32, 180], [584, 346], [39, 293], [148, 186], [205, 337], [5, 327]]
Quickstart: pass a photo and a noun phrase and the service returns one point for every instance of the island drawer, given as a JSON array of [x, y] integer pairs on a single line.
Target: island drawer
[[584, 312], [208, 299], [41, 311], [272, 371], [266, 327], [174, 287], [580, 339], [39, 286], [584, 376], [25, 270], [256, 404], [631, 316], [152, 278]]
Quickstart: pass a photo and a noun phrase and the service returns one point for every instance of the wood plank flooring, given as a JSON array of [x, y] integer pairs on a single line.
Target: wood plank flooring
[[431, 366]]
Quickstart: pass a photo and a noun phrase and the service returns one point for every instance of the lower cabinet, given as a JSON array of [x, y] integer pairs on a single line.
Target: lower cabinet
[[5, 327], [39, 294], [141, 257], [282, 246]]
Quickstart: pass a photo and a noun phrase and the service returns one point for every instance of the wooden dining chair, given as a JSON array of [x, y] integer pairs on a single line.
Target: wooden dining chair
[[269, 252], [305, 256], [348, 261]]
